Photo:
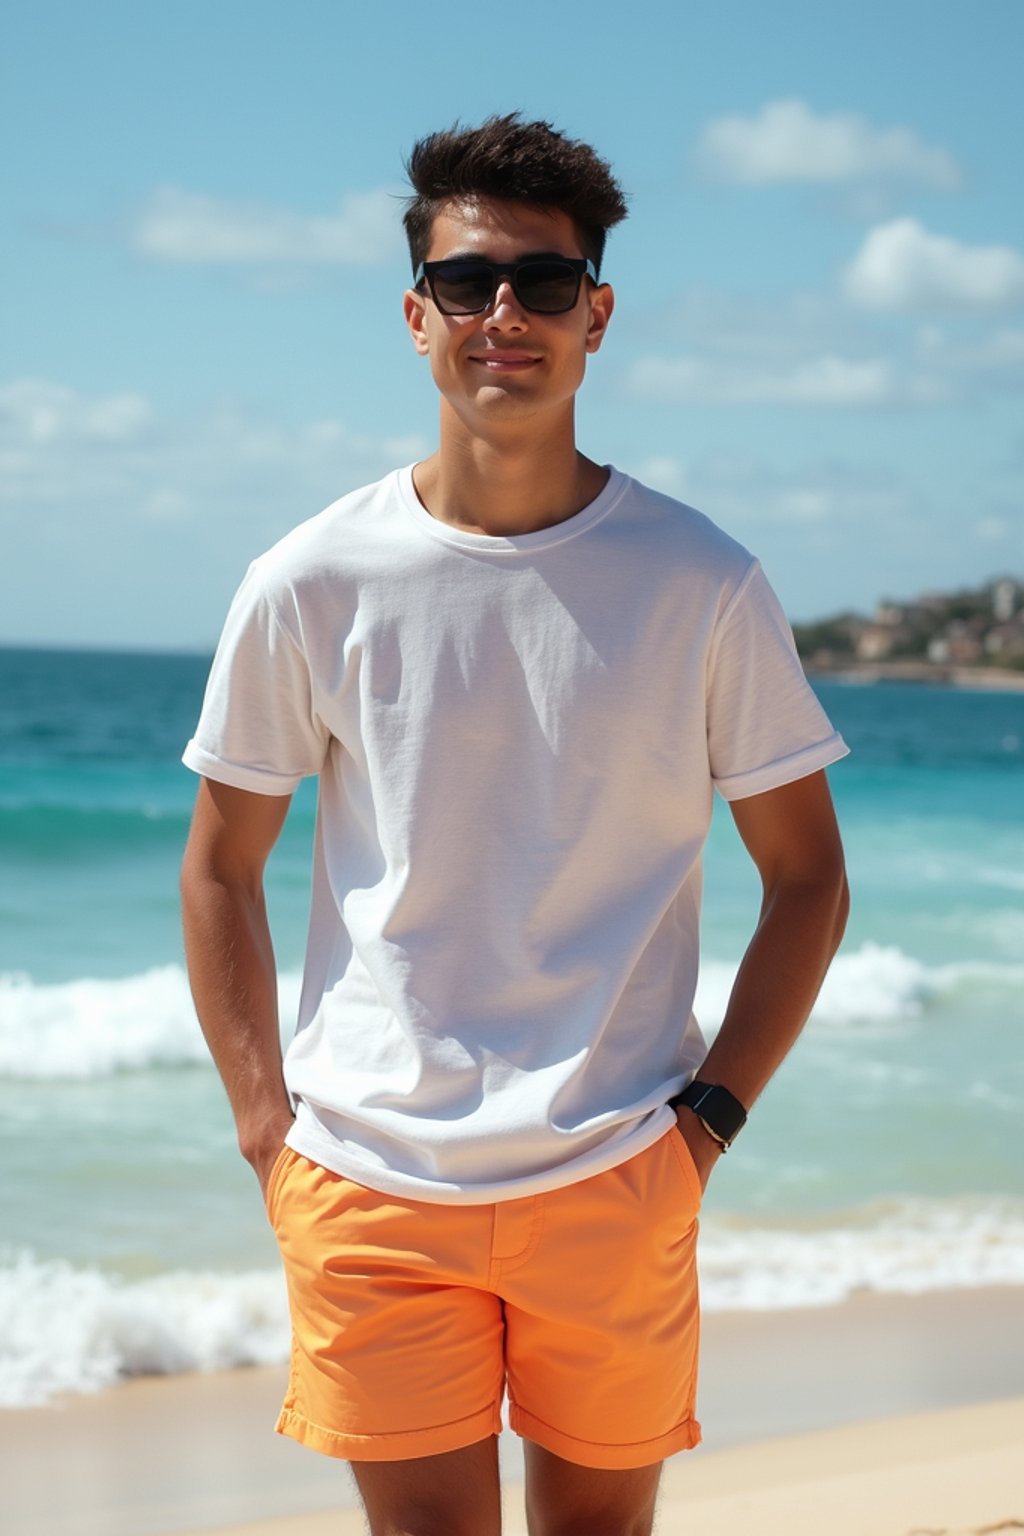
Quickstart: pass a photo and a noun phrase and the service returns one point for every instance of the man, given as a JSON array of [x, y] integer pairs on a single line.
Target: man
[[519, 676]]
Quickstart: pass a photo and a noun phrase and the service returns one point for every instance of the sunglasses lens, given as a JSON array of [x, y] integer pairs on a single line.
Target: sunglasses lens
[[462, 287], [547, 287], [467, 287]]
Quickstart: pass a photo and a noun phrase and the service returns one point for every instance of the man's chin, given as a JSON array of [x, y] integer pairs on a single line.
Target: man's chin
[[502, 395]]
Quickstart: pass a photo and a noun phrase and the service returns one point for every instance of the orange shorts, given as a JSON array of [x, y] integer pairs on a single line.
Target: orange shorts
[[410, 1319]]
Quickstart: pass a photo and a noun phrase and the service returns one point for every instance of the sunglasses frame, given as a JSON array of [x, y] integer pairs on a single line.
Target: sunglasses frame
[[427, 270]]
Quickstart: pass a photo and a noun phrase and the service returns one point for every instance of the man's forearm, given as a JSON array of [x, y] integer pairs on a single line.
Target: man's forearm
[[234, 983], [799, 931]]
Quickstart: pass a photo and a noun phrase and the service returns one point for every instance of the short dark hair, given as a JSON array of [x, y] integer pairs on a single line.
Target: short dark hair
[[523, 162]]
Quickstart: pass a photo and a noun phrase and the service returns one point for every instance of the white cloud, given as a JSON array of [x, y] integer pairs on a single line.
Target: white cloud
[[811, 350], [41, 413], [65, 450], [747, 488], [903, 266], [192, 228], [749, 494], [788, 141], [664, 473], [828, 380], [928, 368]]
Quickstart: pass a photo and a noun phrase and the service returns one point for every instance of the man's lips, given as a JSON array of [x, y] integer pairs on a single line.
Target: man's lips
[[504, 361]]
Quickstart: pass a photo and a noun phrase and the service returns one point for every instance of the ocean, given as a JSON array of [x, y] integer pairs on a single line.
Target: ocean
[[886, 1155]]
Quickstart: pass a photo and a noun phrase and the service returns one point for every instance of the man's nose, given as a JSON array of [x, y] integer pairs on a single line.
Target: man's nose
[[505, 309]]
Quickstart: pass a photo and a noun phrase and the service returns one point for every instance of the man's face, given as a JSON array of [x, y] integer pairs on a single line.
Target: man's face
[[506, 363]]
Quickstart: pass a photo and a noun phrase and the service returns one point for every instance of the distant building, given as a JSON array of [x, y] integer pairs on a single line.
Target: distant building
[[964, 644], [877, 641], [1005, 600], [873, 643]]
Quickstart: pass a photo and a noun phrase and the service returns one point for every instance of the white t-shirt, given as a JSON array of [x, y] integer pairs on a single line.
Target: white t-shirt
[[517, 741]]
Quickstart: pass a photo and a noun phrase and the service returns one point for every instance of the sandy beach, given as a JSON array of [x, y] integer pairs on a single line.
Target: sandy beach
[[887, 1416]]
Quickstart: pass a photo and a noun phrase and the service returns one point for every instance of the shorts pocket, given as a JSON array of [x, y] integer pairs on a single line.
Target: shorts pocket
[[687, 1166]]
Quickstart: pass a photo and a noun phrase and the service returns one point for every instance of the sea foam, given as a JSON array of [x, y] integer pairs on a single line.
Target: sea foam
[[875, 985], [67, 1329], [91, 1028], [905, 1246]]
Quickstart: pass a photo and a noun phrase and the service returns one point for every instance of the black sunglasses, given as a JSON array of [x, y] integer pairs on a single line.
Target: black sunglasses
[[466, 285]]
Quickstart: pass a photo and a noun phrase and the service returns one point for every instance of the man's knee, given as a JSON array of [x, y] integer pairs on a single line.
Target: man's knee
[[452, 1494], [564, 1499], [435, 1517]]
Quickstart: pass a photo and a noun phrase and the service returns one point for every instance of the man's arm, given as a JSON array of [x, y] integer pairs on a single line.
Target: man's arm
[[231, 958], [792, 837]]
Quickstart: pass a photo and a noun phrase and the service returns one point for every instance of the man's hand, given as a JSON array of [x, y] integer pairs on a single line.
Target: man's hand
[[704, 1149], [265, 1152]]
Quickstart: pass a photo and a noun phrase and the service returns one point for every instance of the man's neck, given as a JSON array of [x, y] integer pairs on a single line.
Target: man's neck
[[514, 484]]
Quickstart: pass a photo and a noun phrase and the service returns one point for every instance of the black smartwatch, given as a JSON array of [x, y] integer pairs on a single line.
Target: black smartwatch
[[719, 1112]]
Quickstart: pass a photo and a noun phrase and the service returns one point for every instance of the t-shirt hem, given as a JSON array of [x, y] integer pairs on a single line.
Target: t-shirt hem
[[785, 770], [260, 781]]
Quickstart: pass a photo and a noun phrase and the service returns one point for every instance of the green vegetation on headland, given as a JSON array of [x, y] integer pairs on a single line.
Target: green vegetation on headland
[[975, 635]]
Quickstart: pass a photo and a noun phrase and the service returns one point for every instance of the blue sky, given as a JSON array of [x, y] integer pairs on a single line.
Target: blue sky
[[819, 332]]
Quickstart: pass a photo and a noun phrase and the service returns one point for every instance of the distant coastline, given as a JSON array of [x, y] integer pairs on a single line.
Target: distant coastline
[[972, 638], [867, 674]]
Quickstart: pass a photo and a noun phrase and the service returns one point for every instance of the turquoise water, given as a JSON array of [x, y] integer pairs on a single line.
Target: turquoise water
[[886, 1153]]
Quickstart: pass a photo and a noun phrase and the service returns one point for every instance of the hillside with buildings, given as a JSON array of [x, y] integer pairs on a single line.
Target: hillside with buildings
[[972, 636]]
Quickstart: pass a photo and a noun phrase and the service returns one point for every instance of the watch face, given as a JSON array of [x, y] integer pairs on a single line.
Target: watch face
[[720, 1109]]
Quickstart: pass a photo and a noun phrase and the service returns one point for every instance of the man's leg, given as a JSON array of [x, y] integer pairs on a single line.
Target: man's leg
[[453, 1494], [563, 1499]]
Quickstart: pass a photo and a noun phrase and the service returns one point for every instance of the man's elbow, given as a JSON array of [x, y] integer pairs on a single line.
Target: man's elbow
[[824, 893]]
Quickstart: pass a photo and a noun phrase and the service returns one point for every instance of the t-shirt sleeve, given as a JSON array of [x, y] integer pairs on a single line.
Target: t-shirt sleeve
[[258, 729], [765, 724]]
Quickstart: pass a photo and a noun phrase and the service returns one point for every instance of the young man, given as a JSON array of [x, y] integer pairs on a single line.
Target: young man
[[519, 676]]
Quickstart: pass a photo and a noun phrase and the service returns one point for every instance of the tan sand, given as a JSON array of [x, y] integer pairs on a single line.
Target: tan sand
[[888, 1414], [944, 1473]]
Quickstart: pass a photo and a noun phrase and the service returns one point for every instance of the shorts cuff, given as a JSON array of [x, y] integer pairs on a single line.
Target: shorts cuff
[[615, 1458], [399, 1445]]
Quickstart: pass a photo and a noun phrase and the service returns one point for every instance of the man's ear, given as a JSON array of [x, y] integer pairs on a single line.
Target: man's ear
[[415, 310], [602, 302]]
